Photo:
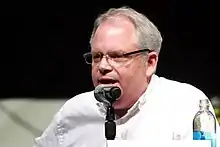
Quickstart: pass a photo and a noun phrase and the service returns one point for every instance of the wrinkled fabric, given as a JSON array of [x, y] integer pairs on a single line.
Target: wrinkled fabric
[[164, 112]]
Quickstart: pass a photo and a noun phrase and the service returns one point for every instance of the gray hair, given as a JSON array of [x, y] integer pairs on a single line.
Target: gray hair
[[148, 35]]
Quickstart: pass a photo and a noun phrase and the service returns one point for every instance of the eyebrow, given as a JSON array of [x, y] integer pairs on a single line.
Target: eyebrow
[[110, 51]]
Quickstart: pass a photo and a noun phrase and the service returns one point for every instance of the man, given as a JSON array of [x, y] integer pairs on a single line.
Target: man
[[124, 52]]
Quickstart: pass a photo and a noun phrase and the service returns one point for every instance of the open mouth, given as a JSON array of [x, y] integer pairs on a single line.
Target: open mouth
[[107, 81]]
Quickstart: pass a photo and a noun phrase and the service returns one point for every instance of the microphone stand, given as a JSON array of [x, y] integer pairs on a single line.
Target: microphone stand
[[110, 125], [108, 95]]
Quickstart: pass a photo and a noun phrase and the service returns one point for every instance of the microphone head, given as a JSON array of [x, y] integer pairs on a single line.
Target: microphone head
[[99, 94], [107, 94], [115, 93]]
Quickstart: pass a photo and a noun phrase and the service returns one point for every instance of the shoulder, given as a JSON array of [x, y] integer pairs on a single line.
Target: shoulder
[[182, 101], [78, 110], [76, 105], [180, 89], [181, 97], [82, 103], [80, 99]]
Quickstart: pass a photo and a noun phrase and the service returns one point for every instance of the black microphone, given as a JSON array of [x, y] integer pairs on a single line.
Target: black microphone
[[107, 94]]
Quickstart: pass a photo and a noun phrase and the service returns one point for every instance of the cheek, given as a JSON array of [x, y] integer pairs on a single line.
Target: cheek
[[126, 75], [131, 73], [94, 76]]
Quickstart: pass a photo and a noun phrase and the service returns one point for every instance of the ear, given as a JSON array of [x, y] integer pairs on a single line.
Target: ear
[[151, 63]]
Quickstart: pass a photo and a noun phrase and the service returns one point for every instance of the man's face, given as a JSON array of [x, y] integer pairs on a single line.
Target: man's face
[[113, 37]]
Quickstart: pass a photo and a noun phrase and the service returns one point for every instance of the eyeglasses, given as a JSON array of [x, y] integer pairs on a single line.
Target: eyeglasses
[[114, 56]]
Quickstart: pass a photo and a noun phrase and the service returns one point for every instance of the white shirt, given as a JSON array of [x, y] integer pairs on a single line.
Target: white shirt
[[165, 111]]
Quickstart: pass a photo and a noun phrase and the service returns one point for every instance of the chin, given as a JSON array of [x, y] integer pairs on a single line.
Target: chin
[[119, 104]]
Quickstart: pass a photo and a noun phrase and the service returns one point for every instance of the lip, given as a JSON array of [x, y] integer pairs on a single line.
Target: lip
[[107, 80]]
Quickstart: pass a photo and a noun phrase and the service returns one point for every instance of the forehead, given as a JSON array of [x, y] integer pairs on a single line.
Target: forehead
[[115, 34]]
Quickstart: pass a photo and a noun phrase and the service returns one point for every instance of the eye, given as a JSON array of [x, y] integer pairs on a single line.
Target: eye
[[115, 54], [97, 56]]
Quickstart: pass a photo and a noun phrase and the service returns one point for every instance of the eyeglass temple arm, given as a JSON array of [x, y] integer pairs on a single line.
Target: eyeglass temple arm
[[138, 51]]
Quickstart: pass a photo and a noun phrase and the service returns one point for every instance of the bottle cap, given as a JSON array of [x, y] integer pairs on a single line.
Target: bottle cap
[[203, 102]]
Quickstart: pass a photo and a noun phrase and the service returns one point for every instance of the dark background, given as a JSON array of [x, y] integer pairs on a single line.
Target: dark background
[[42, 45]]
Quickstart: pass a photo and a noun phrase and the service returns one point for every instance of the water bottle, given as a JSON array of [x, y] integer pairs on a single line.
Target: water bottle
[[204, 123]]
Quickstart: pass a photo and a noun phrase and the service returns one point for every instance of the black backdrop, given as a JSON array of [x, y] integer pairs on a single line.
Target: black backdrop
[[42, 45]]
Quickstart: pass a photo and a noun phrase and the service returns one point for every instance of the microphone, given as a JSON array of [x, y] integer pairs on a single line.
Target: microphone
[[107, 94]]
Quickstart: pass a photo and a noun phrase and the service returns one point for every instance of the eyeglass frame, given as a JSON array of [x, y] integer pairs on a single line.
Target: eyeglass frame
[[123, 55]]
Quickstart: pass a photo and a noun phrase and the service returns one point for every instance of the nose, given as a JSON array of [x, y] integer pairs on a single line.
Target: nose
[[104, 66]]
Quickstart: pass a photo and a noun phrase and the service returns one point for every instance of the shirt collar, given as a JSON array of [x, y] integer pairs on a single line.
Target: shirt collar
[[137, 106]]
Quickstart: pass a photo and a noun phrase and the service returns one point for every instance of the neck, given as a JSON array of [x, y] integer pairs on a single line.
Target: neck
[[120, 112]]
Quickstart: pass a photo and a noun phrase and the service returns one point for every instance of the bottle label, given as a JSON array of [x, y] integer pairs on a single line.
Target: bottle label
[[201, 135]]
